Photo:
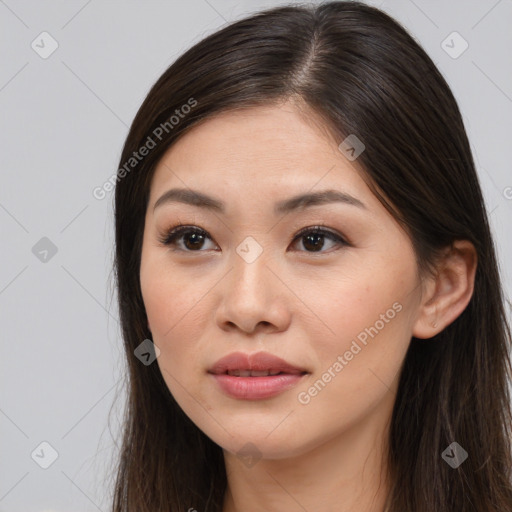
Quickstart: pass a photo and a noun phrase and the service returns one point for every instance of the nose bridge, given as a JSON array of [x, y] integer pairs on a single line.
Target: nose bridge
[[251, 295], [250, 273]]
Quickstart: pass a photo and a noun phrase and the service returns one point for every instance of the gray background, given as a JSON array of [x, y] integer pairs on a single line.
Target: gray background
[[63, 122]]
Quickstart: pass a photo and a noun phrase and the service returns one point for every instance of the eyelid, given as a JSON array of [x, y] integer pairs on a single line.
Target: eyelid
[[323, 229], [177, 230]]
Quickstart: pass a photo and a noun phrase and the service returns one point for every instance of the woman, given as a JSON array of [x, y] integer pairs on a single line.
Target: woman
[[309, 294]]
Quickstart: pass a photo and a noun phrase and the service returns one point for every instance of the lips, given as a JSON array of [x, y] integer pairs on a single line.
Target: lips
[[260, 364], [259, 376]]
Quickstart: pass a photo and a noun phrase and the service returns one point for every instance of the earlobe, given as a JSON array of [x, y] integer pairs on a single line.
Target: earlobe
[[449, 292]]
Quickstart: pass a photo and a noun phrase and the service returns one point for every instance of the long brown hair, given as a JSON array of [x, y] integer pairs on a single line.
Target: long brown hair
[[361, 73]]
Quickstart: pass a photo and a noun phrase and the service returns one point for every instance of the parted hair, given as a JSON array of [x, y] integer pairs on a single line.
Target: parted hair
[[360, 72]]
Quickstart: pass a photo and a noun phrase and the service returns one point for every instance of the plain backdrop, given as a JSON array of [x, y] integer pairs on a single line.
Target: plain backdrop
[[64, 117]]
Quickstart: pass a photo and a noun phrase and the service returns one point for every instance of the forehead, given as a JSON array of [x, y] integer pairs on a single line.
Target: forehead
[[261, 150]]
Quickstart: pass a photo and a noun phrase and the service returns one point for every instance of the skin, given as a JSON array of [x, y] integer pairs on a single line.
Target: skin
[[305, 306]]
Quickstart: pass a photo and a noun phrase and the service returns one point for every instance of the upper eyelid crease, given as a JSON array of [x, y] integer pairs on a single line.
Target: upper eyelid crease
[[300, 202], [180, 230]]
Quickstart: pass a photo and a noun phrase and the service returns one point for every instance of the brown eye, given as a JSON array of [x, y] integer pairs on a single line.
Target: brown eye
[[192, 239], [313, 239]]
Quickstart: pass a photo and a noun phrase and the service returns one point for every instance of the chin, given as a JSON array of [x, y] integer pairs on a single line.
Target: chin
[[258, 444]]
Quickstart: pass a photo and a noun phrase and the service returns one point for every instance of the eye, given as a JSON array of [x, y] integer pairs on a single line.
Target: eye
[[193, 238], [313, 237]]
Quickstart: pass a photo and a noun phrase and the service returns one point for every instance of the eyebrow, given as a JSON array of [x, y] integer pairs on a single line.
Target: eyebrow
[[299, 202]]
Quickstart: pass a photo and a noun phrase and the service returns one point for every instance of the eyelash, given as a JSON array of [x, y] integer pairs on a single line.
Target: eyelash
[[169, 238]]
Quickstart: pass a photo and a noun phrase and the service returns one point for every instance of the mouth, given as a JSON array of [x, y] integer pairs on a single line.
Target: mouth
[[259, 373], [256, 385], [260, 364], [255, 376]]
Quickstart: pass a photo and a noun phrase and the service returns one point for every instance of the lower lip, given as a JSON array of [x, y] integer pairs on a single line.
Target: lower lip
[[256, 388]]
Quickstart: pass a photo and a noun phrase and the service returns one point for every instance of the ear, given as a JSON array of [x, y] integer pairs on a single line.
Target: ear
[[449, 292]]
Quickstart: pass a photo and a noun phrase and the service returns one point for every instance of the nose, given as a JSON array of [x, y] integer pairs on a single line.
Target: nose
[[253, 298]]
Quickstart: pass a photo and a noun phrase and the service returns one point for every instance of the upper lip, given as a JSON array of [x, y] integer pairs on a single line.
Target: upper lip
[[259, 361]]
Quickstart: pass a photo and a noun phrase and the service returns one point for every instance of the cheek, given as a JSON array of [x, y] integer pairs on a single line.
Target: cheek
[[176, 330], [367, 321], [357, 369], [170, 297], [348, 306], [177, 309]]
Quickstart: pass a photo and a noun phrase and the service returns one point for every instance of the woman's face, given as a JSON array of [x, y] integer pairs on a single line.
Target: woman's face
[[339, 305]]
